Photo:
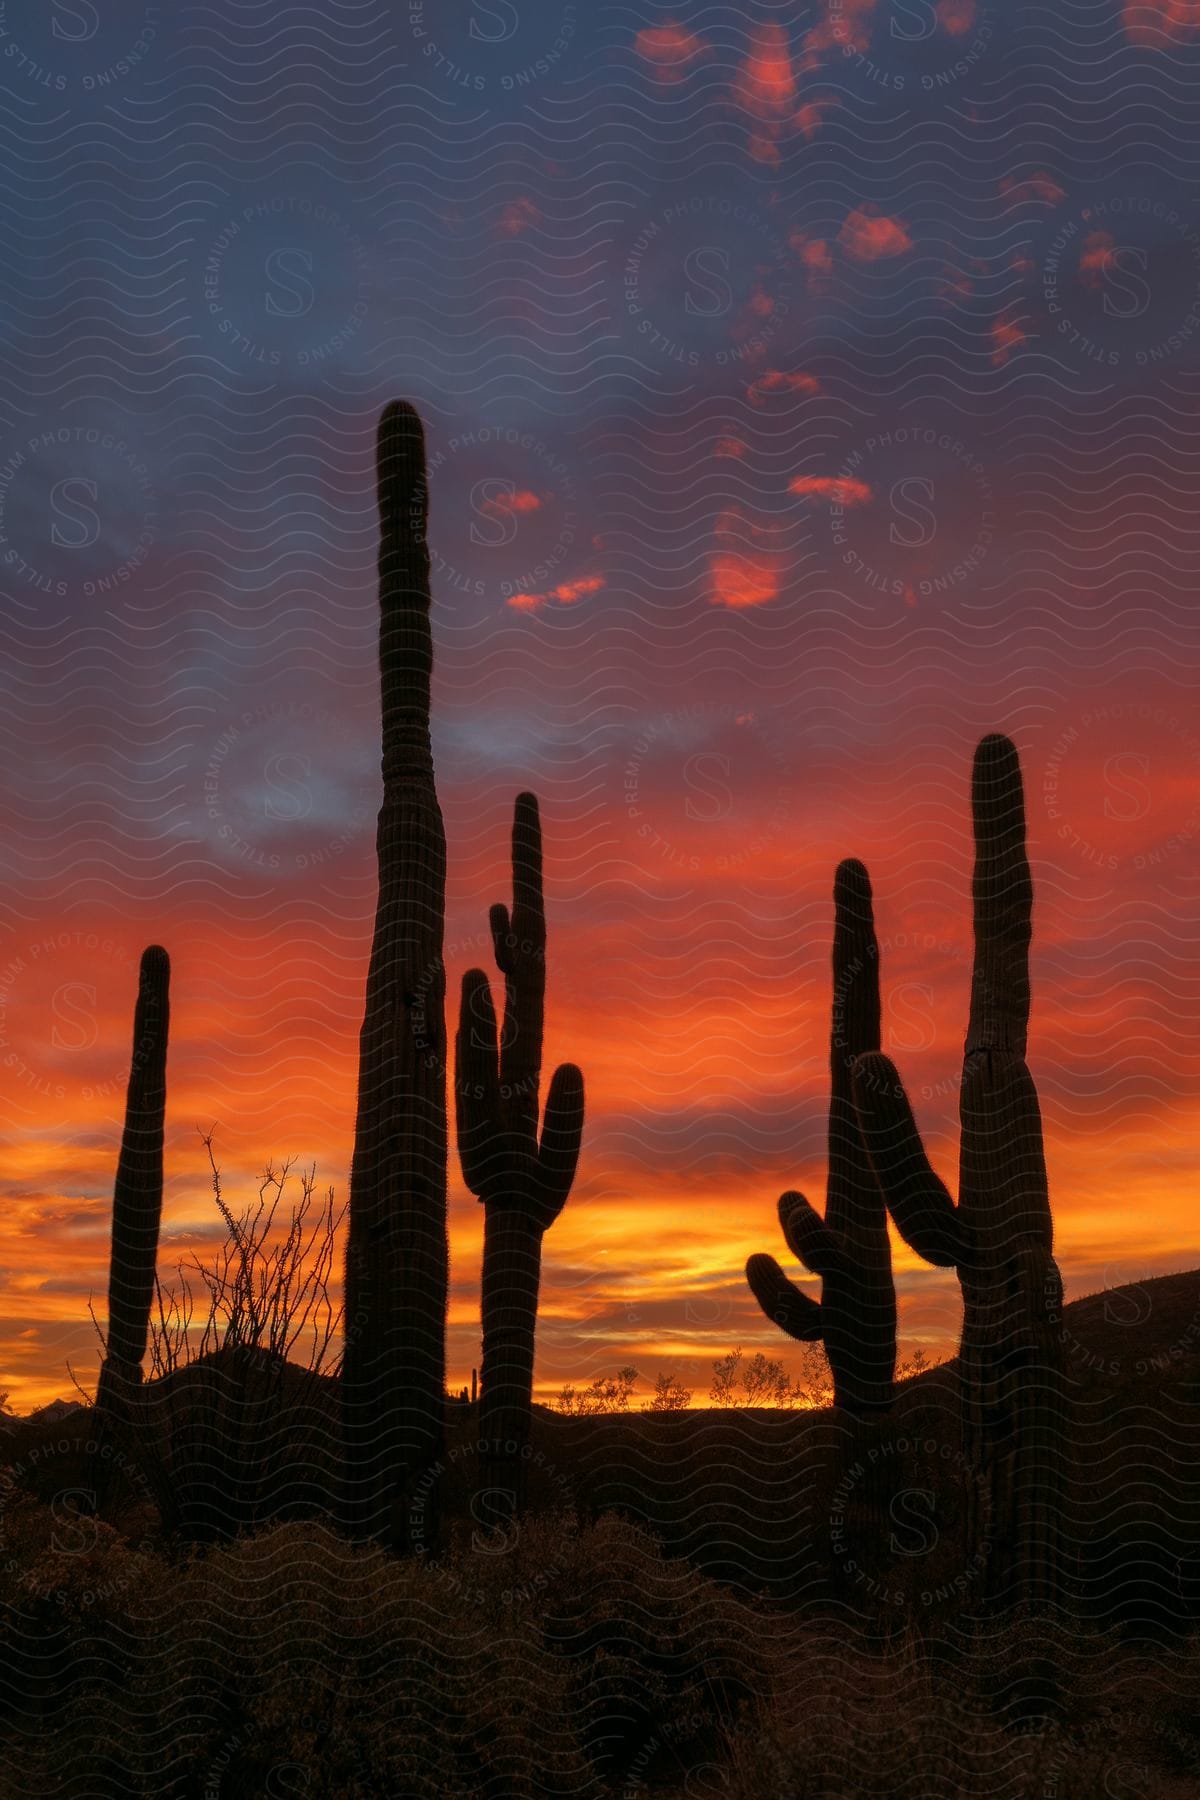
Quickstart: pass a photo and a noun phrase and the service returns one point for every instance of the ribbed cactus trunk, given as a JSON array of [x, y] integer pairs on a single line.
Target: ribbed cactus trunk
[[137, 1192], [1000, 1235], [1012, 1360], [397, 1256], [849, 1247], [522, 1182]]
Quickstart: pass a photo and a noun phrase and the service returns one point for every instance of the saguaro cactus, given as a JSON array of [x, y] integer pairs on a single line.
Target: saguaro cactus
[[848, 1248], [999, 1236], [397, 1257], [138, 1191], [521, 1179]]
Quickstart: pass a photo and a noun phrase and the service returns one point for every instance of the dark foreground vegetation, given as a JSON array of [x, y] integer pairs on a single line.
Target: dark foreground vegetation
[[678, 1611]]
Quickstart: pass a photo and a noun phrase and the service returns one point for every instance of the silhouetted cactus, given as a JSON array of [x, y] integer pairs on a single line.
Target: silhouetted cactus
[[848, 1248], [999, 1237], [521, 1180], [397, 1257], [138, 1190]]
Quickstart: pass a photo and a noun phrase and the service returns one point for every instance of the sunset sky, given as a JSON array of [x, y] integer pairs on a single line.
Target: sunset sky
[[809, 389]]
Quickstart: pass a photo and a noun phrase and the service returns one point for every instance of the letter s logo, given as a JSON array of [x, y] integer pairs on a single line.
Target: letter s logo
[[287, 1778], [289, 270], [912, 1509], [288, 796], [919, 14], [1130, 298], [82, 15], [706, 269], [492, 502], [1121, 773], [707, 766], [921, 518], [83, 522], [912, 1025], [501, 14], [79, 1527], [74, 1009]]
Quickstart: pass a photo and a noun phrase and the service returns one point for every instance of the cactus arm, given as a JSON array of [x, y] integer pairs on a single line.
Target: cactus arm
[[782, 1301], [918, 1200], [808, 1237], [562, 1133], [477, 1083]]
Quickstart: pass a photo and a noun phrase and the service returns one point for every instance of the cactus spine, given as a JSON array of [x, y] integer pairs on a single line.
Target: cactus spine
[[522, 1181], [848, 1248], [397, 1258], [999, 1236], [138, 1190]]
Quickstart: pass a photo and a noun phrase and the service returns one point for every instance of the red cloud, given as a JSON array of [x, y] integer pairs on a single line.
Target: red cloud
[[843, 29], [518, 216], [567, 592], [729, 446], [1039, 186], [955, 17], [1095, 256], [781, 381], [1006, 335], [1156, 23], [868, 237], [670, 48], [745, 570], [765, 83], [519, 501], [830, 487]]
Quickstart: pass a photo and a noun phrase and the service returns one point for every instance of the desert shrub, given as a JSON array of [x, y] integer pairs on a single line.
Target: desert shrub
[[535, 1663]]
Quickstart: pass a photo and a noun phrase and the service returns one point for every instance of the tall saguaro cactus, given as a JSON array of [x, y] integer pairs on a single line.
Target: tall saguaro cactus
[[397, 1256], [521, 1178], [138, 1190], [848, 1248], [999, 1236]]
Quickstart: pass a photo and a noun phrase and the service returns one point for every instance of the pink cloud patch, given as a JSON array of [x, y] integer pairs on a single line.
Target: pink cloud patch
[[518, 216], [670, 49], [567, 592], [504, 505], [781, 381], [843, 489], [1156, 24], [1006, 335], [1039, 186], [868, 237]]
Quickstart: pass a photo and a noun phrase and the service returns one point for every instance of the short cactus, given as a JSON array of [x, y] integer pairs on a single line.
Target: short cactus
[[848, 1248], [522, 1178], [138, 1191]]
